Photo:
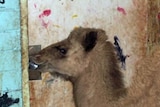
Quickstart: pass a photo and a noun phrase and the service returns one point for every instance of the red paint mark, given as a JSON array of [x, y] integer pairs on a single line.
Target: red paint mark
[[43, 16], [35, 6], [45, 24], [122, 10], [158, 16], [45, 13]]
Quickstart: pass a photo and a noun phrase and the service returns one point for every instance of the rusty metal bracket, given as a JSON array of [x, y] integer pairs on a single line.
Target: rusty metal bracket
[[33, 74]]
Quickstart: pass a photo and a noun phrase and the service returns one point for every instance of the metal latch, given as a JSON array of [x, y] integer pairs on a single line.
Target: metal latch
[[33, 74]]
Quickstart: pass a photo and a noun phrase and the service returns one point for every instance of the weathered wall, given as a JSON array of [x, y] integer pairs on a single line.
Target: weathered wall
[[52, 20], [153, 24], [10, 54]]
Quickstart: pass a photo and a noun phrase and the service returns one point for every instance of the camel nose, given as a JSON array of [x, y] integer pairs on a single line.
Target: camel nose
[[33, 65], [34, 74]]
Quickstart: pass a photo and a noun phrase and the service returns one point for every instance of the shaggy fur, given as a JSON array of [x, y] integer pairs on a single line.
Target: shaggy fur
[[88, 60]]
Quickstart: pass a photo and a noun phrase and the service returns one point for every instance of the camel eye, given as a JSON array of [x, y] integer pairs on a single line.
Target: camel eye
[[63, 51]]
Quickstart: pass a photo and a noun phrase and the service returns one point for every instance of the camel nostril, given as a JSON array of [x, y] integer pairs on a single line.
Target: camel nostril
[[37, 57], [36, 60]]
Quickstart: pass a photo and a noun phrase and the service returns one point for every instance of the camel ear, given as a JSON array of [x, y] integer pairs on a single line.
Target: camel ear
[[90, 40]]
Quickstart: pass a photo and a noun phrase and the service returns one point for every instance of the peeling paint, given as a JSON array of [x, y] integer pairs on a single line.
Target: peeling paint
[[6, 101]]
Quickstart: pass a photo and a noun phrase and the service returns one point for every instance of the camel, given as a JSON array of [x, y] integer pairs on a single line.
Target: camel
[[88, 59]]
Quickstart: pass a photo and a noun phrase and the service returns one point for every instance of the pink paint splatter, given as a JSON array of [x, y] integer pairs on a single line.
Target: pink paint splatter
[[45, 24], [43, 16], [35, 6], [45, 13], [158, 16], [122, 10]]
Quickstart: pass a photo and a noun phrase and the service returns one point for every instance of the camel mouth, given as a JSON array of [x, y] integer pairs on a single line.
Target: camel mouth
[[33, 65]]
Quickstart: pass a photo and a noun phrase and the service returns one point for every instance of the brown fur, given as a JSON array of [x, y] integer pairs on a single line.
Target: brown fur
[[88, 60]]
